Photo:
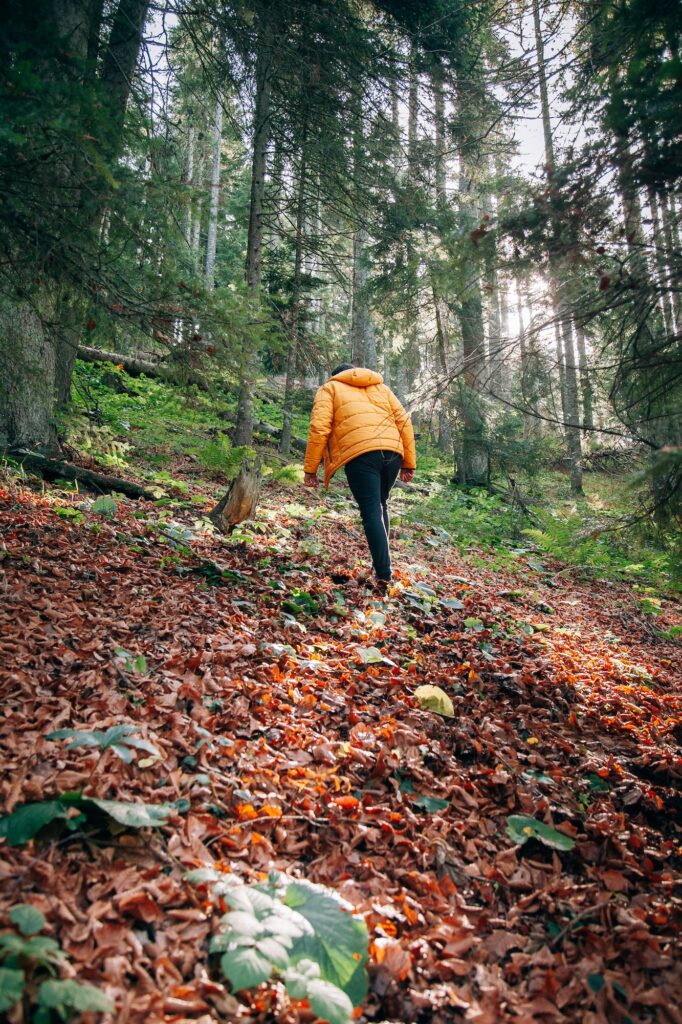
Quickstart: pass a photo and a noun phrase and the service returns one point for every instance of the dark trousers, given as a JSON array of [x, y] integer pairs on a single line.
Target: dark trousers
[[371, 477]]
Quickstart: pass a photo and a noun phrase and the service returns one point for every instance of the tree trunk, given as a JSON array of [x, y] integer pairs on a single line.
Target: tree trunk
[[659, 245], [212, 237], [571, 405], [362, 337], [241, 499], [559, 283], [261, 138], [672, 244], [585, 380], [56, 469], [295, 330], [38, 350], [27, 379]]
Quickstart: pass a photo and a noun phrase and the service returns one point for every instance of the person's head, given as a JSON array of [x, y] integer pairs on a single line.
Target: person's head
[[342, 367]]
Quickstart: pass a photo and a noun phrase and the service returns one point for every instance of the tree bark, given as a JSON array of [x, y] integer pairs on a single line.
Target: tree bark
[[56, 469], [261, 138], [585, 380], [295, 329], [559, 282], [659, 243], [212, 238], [241, 499]]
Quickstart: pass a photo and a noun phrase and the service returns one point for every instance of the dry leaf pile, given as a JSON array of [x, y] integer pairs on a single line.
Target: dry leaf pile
[[279, 698]]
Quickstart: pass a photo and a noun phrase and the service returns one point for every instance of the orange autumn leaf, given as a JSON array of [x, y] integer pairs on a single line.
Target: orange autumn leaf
[[347, 802]]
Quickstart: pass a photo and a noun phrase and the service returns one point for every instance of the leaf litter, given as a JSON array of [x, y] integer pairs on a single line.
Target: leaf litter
[[516, 861]]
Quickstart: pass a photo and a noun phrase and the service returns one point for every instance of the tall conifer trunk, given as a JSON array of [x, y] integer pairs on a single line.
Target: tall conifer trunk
[[261, 136], [560, 282], [295, 321], [40, 335]]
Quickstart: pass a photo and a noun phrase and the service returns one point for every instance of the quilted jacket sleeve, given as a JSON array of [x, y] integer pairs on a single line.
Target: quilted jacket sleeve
[[321, 421], [404, 425]]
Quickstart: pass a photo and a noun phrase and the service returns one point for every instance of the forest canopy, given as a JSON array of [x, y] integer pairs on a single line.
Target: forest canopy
[[479, 200]]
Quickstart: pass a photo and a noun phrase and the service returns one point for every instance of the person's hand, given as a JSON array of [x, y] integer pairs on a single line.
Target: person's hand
[[310, 480], [406, 475]]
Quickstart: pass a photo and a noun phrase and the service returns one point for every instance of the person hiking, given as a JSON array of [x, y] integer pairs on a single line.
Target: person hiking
[[358, 423]]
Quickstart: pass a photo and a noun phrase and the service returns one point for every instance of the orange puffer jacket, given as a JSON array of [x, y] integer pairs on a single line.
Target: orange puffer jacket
[[353, 413]]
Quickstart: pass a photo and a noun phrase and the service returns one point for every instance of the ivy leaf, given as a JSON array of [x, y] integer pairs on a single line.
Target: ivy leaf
[[27, 918], [432, 698], [521, 828]]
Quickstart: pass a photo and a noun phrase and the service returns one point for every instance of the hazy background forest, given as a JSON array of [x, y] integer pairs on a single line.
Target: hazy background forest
[[480, 200]]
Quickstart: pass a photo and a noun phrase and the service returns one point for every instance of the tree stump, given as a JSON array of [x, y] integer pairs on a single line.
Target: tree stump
[[241, 499]]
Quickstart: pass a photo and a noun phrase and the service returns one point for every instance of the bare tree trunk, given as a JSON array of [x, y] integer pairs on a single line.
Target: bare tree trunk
[[189, 181], [585, 380], [560, 275], [212, 238], [261, 137], [571, 405], [672, 244], [658, 240], [295, 330], [39, 351]]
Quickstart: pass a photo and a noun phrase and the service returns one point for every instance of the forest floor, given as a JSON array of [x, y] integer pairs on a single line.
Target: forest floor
[[277, 694]]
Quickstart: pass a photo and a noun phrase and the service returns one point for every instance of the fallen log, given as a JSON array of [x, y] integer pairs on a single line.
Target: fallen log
[[241, 499], [174, 372], [264, 428], [57, 469], [134, 367]]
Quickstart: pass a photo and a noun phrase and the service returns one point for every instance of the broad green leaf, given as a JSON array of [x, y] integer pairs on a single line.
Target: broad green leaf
[[533, 775], [11, 987], [276, 953], [104, 506], [339, 940], [452, 602], [44, 949], [370, 655], [201, 876], [25, 823], [432, 698], [329, 1002], [245, 967], [596, 982], [27, 918], [132, 814], [521, 828], [597, 784], [125, 753], [73, 995], [243, 922], [430, 803], [473, 623]]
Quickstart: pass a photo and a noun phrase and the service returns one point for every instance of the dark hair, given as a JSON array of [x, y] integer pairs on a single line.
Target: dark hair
[[341, 368]]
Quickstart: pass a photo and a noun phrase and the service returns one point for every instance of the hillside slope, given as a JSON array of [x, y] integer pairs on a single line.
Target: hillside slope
[[278, 694]]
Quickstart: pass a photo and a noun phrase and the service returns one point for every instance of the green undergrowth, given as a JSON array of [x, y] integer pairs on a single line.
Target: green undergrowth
[[160, 431], [597, 534], [153, 426]]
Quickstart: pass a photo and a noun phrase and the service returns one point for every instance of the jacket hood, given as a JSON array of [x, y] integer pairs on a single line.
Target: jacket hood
[[359, 377]]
